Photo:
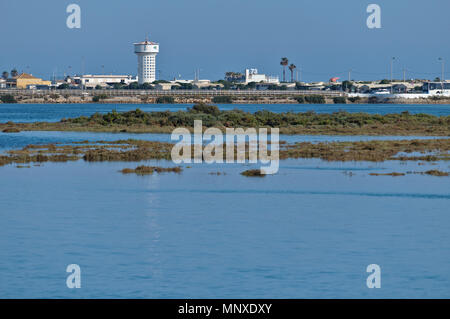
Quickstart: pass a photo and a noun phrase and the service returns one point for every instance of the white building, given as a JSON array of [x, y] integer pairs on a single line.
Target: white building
[[429, 89], [146, 52], [196, 84], [90, 80], [252, 75], [437, 88], [2, 83]]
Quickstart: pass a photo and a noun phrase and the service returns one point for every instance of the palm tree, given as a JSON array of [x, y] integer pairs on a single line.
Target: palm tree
[[292, 67], [14, 73], [5, 75], [284, 62]]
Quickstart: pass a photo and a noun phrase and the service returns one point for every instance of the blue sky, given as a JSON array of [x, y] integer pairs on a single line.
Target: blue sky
[[324, 38]]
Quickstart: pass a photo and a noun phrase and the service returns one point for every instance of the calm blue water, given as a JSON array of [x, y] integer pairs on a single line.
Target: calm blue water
[[308, 232], [55, 112]]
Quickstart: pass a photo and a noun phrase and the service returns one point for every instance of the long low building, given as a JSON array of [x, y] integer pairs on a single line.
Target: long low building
[[92, 81], [437, 88], [428, 89]]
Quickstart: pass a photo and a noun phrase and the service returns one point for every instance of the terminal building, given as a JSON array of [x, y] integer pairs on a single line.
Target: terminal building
[[91, 81]]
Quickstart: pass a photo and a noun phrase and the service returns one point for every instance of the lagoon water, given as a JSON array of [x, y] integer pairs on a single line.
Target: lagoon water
[[308, 232]]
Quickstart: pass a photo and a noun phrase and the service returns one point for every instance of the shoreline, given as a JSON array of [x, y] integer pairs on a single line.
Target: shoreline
[[429, 101], [217, 97]]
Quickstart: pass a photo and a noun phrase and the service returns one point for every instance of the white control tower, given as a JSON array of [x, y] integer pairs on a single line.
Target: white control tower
[[146, 52]]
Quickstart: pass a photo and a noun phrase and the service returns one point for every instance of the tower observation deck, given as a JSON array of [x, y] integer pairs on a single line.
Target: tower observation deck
[[146, 52]]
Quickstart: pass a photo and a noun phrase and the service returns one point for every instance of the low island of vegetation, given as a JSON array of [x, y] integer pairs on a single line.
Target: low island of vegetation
[[253, 173], [148, 170], [337, 123]]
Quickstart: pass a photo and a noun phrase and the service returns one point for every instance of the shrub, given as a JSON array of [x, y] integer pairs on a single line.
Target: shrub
[[63, 86], [315, 99], [207, 109], [223, 99], [354, 99], [373, 100], [99, 97], [8, 98], [300, 99], [165, 100], [340, 100]]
